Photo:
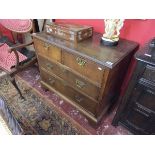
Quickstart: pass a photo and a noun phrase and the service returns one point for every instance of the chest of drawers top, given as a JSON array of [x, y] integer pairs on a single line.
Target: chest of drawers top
[[92, 49]]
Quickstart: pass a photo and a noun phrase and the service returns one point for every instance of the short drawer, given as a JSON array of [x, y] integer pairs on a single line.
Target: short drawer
[[76, 81], [88, 68], [47, 50], [149, 73], [62, 87]]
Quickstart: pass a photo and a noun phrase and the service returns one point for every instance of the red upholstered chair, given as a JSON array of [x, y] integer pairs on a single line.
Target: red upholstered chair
[[14, 58]]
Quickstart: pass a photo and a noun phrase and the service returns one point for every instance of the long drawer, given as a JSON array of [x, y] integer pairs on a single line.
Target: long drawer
[[75, 80], [63, 87], [84, 66], [47, 50], [139, 119]]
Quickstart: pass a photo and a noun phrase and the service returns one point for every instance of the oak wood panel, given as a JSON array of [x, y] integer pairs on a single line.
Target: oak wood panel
[[113, 80], [90, 117], [63, 87], [76, 81], [50, 51], [84, 66]]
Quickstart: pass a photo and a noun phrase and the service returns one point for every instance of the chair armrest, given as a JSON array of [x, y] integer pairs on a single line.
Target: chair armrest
[[15, 47], [17, 58]]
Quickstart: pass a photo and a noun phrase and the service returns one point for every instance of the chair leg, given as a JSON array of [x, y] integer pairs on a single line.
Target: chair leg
[[13, 81], [12, 76]]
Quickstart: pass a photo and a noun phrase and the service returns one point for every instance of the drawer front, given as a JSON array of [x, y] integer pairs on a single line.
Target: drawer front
[[144, 96], [47, 50], [139, 114], [76, 81], [84, 66], [62, 86], [139, 120], [149, 73]]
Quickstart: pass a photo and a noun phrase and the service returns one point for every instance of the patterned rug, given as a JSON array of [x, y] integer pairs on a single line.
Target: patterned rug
[[32, 114], [46, 113]]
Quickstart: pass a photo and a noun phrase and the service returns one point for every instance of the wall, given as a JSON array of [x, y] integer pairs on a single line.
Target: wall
[[134, 29]]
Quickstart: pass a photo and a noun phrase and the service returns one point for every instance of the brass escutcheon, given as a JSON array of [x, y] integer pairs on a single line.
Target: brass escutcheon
[[78, 98], [50, 66], [80, 84], [46, 46], [81, 61], [52, 81]]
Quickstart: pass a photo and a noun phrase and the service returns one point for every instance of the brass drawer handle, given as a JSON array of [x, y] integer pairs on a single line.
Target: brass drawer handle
[[51, 81], [50, 66], [80, 84], [81, 62], [46, 46], [78, 98]]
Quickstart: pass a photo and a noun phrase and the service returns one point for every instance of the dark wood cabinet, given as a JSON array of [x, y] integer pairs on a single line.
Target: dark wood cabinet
[[88, 75], [137, 107]]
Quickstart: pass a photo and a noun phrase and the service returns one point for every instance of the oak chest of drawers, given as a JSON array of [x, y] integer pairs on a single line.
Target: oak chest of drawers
[[88, 75]]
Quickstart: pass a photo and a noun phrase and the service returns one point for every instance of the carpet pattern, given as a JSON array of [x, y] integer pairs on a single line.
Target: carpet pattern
[[33, 116], [44, 112]]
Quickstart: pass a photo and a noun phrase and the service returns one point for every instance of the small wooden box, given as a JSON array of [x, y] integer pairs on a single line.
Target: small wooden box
[[70, 32]]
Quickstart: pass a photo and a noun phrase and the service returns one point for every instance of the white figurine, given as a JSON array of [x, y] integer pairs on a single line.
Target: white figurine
[[112, 30]]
